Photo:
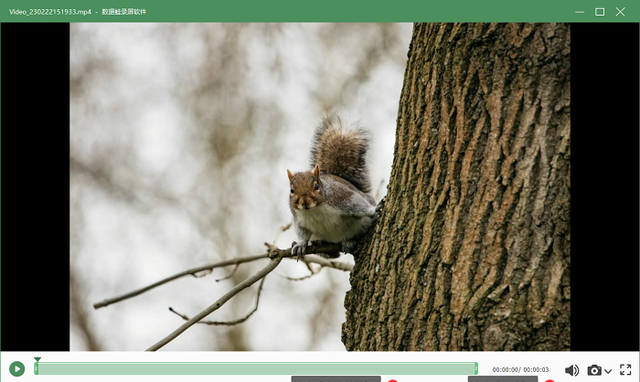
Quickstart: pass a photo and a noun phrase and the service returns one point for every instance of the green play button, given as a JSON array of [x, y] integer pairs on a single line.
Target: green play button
[[16, 369]]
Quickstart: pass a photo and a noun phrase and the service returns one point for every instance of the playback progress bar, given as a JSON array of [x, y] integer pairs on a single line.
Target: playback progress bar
[[255, 368]]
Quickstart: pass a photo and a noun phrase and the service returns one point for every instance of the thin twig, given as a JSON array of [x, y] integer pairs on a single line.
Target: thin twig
[[299, 278], [216, 305], [206, 272], [192, 271], [282, 229], [312, 272], [230, 274], [310, 268], [339, 265], [228, 323]]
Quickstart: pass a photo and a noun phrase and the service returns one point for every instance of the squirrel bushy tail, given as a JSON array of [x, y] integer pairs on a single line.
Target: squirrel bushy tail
[[341, 150]]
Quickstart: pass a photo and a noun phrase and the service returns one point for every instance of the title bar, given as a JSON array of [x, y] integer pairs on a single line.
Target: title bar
[[325, 11]]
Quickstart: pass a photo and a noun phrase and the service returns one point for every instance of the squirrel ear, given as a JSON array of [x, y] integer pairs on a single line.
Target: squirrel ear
[[290, 174], [316, 172]]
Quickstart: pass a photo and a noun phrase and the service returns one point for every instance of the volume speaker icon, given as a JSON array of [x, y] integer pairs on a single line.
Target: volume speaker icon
[[572, 370]]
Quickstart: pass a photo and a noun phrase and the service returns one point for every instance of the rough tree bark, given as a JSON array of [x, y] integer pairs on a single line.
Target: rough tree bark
[[472, 249]]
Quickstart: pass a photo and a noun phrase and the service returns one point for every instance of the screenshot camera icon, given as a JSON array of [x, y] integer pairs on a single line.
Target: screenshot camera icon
[[599, 11], [594, 370]]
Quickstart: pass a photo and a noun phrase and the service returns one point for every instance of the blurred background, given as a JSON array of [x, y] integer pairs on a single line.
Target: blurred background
[[181, 135]]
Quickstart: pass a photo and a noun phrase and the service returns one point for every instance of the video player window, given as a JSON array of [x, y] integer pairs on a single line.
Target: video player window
[[301, 196]]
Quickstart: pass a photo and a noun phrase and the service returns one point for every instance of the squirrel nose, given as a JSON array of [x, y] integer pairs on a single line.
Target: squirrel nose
[[307, 203]]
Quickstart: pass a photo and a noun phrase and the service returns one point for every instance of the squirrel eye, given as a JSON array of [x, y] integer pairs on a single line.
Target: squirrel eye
[[292, 190], [316, 186]]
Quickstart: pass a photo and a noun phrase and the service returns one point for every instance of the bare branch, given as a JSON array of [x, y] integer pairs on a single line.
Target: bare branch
[[228, 323], [273, 252], [192, 271], [315, 247], [215, 306]]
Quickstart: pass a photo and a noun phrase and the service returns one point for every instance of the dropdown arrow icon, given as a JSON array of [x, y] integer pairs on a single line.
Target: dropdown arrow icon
[[608, 371]]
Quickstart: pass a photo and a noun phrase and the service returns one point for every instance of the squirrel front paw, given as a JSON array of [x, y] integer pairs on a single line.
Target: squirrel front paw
[[379, 208], [299, 248]]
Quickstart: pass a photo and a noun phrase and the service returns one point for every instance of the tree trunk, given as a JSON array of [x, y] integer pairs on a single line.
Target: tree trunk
[[472, 249]]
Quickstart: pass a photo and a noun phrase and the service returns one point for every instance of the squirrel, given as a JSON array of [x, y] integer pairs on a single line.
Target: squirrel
[[332, 202]]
